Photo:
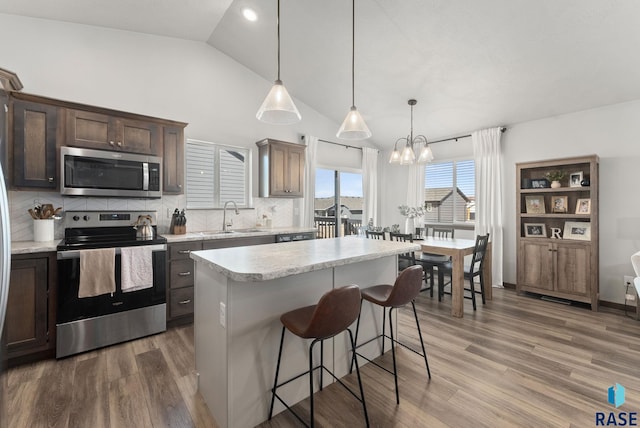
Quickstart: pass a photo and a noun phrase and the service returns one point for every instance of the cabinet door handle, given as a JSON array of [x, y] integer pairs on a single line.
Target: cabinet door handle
[[184, 251], [119, 143], [50, 179], [184, 302], [111, 143], [184, 273], [179, 186]]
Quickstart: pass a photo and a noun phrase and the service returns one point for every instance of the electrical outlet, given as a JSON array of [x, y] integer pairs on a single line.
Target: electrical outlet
[[628, 281], [630, 297], [223, 314]]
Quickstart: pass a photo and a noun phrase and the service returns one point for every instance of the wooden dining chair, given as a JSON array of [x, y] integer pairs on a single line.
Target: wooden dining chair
[[475, 269], [374, 235], [431, 262]]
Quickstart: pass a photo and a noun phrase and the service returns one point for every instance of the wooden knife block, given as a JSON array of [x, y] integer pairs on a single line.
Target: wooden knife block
[[177, 230]]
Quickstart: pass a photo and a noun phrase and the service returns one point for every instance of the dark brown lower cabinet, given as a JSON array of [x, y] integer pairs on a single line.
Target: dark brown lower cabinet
[[30, 321]]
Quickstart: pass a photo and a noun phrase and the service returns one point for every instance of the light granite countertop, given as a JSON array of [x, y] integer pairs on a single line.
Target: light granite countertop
[[272, 261], [28, 247], [201, 236]]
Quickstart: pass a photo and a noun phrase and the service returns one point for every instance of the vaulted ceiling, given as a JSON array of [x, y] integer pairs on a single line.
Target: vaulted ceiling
[[470, 64]]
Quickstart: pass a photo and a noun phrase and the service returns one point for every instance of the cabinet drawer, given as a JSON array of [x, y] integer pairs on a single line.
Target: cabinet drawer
[[182, 273], [182, 250], [181, 302]]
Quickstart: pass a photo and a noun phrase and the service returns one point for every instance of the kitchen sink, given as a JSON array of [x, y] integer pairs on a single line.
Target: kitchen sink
[[230, 232]]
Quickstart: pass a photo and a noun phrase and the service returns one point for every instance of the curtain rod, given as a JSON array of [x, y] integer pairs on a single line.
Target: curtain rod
[[502, 129], [337, 144]]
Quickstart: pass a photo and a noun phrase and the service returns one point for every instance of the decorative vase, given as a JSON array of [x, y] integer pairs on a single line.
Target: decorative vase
[[555, 184], [408, 225]]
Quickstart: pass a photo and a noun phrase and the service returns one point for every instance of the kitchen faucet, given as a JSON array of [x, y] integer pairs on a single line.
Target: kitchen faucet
[[224, 216]]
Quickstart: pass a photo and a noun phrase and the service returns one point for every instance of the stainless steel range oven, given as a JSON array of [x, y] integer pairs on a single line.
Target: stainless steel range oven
[[85, 323]]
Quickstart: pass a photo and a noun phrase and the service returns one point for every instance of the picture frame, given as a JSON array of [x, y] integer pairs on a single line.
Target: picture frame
[[578, 230], [540, 183], [583, 206], [559, 204], [535, 230], [575, 179], [535, 204]]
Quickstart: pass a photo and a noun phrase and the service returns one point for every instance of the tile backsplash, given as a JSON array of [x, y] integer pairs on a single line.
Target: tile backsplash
[[280, 211]]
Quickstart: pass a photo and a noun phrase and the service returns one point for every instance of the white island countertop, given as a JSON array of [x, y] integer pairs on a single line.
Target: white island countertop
[[272, 261]]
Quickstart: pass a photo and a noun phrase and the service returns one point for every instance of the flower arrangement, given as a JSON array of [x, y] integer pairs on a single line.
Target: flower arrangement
[[411, 212], [555, 175]]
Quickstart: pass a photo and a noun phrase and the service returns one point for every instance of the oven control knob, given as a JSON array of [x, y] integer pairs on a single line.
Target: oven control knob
[[76, 218], [86, 218]]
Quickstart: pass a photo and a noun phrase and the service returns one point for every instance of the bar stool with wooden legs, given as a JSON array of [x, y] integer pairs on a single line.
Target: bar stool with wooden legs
[[404, 291], [334, 313]]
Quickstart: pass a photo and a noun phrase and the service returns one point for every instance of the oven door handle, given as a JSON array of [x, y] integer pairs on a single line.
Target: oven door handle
[[74, 254]]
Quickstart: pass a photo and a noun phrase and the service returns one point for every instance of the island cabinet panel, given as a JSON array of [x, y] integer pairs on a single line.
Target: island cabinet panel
[[109, 132], [30, 319], [173, 160], [557, 228], [281, 169], [35, 136]]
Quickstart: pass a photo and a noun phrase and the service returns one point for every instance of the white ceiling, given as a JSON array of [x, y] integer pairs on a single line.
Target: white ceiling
[[470, 64]]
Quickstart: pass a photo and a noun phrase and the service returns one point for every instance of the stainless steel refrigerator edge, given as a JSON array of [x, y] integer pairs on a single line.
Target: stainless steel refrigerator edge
[[5, 258]]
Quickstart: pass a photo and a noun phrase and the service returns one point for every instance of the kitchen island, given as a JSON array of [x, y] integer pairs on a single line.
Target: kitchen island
[[241, 293]]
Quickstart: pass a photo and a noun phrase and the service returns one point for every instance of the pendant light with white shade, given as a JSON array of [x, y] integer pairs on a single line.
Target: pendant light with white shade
[[353, 127], [278, 107], [411, 145]]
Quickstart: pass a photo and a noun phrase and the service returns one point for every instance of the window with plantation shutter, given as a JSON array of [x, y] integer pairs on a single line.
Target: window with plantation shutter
[[216, 174], [450, 192]]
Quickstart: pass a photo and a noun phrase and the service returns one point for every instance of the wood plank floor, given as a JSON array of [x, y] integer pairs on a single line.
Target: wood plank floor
[[517, 361]]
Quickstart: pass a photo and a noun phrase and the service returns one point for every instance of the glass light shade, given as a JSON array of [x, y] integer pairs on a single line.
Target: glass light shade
[[278, 107], [425, 154], [407, 157], [395, 156], [353, 127]]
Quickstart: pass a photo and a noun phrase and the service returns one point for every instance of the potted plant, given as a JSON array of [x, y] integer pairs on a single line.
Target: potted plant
[[554, 177]]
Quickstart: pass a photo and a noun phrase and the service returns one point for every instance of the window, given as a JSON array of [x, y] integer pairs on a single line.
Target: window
[[450, 192], [338, 189], [216, 174]]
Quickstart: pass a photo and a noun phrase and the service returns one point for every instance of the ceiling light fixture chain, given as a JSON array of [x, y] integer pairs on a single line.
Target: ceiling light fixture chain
[[278, 108], [408, 155], [353, 127]]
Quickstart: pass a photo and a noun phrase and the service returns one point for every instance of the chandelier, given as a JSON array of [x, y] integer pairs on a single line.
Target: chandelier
[[411, 146]]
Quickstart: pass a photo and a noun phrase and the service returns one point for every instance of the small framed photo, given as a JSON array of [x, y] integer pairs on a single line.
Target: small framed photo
[[577, 230], [583, 206], [539, 183], [559, 204], [534, 204], [575, 178], [535, 230]]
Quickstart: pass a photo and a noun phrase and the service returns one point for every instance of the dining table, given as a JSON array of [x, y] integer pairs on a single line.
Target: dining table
[[457, 249]]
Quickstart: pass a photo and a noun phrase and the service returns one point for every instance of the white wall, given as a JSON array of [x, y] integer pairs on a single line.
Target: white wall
[[611, 133], [155, 76]]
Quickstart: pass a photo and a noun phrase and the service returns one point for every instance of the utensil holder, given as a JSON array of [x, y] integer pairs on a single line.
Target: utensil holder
[[43, 230]]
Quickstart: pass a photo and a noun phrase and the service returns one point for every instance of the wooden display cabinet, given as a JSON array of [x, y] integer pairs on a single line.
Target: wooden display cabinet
[[557, 230]]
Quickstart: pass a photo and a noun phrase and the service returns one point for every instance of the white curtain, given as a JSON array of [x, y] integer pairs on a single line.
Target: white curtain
[[415, 186], [308, 202], [488, 162], [370, 185]]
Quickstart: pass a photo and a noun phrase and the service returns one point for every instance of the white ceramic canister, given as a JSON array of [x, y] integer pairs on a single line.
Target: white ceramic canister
[[43, 230]]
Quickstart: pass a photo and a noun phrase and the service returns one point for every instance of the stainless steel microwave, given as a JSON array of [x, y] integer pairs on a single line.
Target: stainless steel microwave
[[87, 172]]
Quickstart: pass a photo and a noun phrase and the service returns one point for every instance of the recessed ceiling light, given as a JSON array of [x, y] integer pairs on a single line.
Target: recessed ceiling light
[[249, 14]]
